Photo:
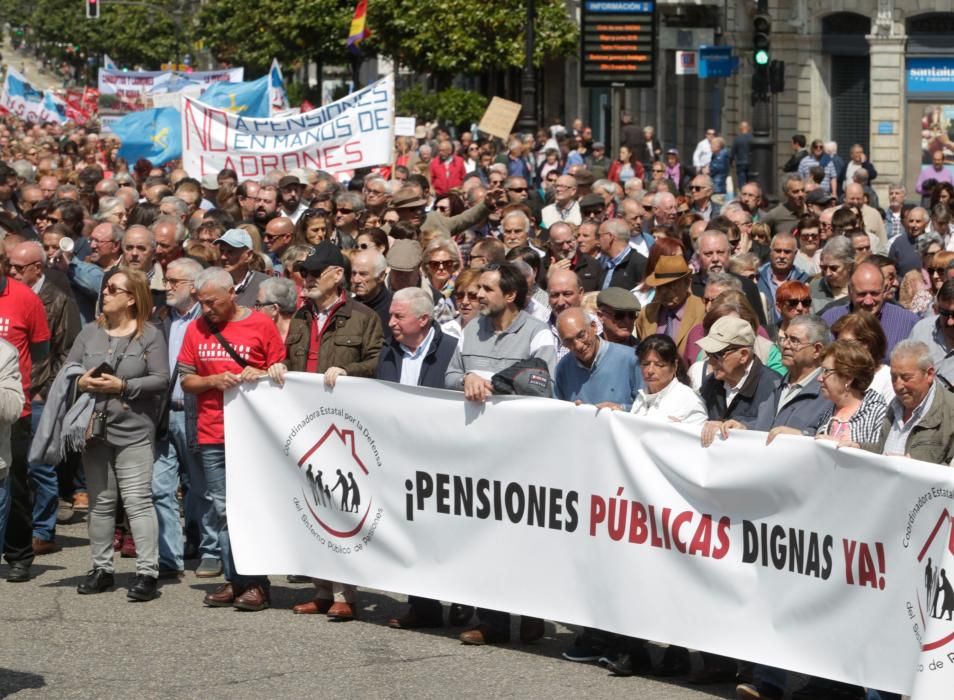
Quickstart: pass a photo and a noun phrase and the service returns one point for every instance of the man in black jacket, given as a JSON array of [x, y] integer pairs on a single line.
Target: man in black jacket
[[624, 267], [368, 272], [417, 355]]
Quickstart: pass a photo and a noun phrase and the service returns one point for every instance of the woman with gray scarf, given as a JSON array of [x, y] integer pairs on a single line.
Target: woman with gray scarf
[[127, 373]]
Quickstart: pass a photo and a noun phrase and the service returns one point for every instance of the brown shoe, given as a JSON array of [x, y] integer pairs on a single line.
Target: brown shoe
[[414, 620], [341, 612], [484, 634], [41, 547], [254, 598], [318, 606], [221, 597], [80, 500], [531, 629]]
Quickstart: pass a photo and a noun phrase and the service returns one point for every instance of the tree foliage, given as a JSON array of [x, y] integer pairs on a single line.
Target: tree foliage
[[452, 106], [461, 36], [130, 35], [289, 30]]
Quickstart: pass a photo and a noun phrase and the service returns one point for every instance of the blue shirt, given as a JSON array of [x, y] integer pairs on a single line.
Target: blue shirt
[[177, 329], [611, 264], [414, 359], [614, 376]]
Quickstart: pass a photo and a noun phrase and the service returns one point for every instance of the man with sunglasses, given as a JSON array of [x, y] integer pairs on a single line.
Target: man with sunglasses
[[700, 192], [937, 332], [333, 335], [276, 239], [780, 268]]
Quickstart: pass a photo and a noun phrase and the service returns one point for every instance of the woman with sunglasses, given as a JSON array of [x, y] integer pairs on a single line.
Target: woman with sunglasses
[[127, 372], [808, 235], [465, 299], [373, 238], [439, 266], [858, 411], [792, 298]]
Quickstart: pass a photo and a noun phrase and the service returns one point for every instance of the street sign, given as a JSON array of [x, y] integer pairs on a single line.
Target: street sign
[[687, 63], [716, 61], [618, 43]]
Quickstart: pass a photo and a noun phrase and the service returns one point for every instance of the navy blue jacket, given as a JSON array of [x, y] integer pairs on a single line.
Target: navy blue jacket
[[435, 362], [753, 406], [805, 411]]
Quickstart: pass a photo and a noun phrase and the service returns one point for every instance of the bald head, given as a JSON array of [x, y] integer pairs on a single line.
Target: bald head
[[866, 288], [854, 195], [565, 292], [278, 234], [26, 262]]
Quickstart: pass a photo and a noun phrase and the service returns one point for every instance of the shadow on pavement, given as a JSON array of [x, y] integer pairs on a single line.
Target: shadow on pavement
[[14, 681]]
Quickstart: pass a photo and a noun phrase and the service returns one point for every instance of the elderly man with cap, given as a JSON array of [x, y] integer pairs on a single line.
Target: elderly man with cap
[[597, 162], [817, 201], [674, 310], [565, 206], [404, 260], [739, 387], [623, 266], [617, 309], [410, 203], [290, 188], [210, 192], [333, 335], [592, 208], [235, 256]]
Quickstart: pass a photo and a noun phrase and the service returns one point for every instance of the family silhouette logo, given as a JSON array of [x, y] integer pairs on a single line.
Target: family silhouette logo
[[336, 483], [930, 608]]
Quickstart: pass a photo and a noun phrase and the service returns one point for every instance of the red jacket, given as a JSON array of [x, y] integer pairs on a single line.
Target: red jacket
[[616, 166], [446, 176]]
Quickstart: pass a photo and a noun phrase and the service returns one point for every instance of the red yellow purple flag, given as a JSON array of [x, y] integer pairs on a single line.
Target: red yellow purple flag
[[359, 30]]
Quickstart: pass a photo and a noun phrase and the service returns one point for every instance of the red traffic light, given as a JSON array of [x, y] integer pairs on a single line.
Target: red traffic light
[[92, 9]]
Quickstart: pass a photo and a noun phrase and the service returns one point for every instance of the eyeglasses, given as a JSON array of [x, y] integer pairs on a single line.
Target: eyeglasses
[[175, 282], [795, 303], [659, 170], [20, 268], [442, 264], [826, 371], [735, 241], [113, 290], [54, 219], [794, 342], [722, 354], [808, 236], [466, 296], [443, 210], [260, 304], [312, 213]]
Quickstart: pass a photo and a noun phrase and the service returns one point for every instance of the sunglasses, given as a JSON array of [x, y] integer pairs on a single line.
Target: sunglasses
[[722, 354], [808, 236], [615, 314], [466, 296], [795, 303], [944, 314], [345, 211], [517, 189], [936, 271], [696, 188], [113, 290], [442, 264]]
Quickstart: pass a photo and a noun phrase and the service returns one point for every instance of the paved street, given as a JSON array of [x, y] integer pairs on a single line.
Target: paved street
[[56, 644]]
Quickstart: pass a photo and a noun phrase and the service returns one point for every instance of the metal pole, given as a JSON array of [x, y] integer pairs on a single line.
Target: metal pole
[[528, 81]]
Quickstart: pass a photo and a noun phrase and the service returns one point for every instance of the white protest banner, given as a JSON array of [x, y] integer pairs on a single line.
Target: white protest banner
[[23, 100], [795, 554], [356, 131], [125, 91]]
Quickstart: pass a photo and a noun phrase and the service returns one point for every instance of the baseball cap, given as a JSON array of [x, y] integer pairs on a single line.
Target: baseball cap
[[672, 151], [598, 144], [324, 255], [618, 299], [404, 255], [728, 331], [210, 181], [287, 181], [669, 268], [236, 237]]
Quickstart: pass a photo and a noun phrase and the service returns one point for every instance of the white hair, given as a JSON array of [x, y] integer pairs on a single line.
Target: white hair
[[214, 277], [420, 302]]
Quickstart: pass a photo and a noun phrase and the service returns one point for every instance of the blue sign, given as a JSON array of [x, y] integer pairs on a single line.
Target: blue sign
[[885, 127], [717, 61], [929, 75], [618, 6]]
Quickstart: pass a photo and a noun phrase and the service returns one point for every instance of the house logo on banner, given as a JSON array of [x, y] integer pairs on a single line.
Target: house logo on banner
[[929, 536], [336, 463]]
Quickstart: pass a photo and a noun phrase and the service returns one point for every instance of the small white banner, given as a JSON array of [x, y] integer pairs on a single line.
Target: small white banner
[[828, 562]]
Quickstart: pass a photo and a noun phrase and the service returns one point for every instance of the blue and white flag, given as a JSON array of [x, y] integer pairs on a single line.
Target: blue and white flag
[[26, 102], [108, 63], [153, 134], [247, 99], [278, 95]]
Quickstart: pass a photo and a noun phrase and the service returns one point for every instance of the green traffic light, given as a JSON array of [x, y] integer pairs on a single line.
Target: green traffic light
[[761, 57]]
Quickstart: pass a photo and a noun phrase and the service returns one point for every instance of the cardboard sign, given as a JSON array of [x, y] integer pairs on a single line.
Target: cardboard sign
[[404, 126], [500, 117]]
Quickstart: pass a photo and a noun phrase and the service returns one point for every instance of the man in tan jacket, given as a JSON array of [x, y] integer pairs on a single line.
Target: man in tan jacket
[[674, 311]]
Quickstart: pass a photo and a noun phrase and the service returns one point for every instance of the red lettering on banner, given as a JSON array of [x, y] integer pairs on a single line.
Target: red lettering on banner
[[269, 162], [353, 148], [220, 119], [201, 131]]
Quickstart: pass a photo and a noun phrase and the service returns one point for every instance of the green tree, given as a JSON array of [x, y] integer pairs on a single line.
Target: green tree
[[289, 30], [459, 36]]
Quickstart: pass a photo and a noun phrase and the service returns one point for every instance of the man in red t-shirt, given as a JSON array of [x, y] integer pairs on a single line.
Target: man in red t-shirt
[[227, 346], [23, 325]]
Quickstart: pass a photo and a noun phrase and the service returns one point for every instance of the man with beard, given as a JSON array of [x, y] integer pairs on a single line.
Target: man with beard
[[266, 206], [292, 206]]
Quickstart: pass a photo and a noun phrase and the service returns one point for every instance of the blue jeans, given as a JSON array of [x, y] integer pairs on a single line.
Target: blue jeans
[[213, 464], [165, 483], [45, 489], [5, 502]]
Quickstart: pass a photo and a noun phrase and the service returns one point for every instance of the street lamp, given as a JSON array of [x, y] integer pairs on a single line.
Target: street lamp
[[528, 81]]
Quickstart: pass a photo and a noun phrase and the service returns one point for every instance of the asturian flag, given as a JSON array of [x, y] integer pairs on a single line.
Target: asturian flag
[[279, 97], [26, 102], [359, 27], [246, 99], [108, 63], [153, 134]]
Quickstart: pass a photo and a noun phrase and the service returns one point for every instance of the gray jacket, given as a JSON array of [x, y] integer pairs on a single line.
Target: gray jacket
[[11, 401], [62, 426], [485, 352]]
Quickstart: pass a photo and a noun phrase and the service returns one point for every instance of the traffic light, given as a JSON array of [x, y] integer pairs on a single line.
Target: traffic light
[[777, 76], [92, 9], [760, 40]]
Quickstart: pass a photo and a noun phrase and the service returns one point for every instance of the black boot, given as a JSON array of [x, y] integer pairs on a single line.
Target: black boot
[[143, 589], [97, 581]]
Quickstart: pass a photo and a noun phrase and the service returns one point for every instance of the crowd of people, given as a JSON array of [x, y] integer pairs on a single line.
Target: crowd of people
[[131, 298]]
